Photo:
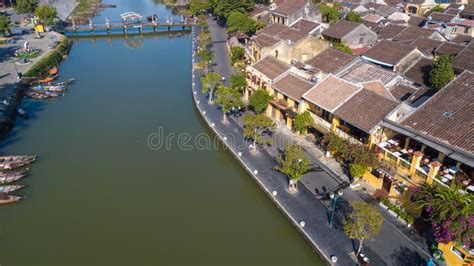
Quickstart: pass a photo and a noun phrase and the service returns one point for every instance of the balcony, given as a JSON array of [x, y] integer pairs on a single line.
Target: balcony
[[320, 121]]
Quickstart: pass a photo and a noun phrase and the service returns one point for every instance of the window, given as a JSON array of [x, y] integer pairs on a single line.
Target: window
[[276, 53], [458, 252]]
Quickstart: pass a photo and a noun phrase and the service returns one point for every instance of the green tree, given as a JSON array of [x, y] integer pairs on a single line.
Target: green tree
[[259, 100], [357, 170], [452, 212], [363, 223], [342, 47], [255, 128], [329, 13], [206, 58], [223, 8], [227, 99], [199, 6], [46, 14], [242, 22], [437, 8], [204, 39], [4, 25], [209, 84], [303, 121], [237, 53], [26, 6], [293, 163], [238, 82], [442, 72], [353, 16]]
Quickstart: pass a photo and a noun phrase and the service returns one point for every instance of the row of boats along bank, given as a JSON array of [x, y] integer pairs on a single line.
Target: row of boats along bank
[[13, 169], [47, 88]]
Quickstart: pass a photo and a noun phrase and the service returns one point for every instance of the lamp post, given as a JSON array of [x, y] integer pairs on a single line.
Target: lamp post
[[334, 197]]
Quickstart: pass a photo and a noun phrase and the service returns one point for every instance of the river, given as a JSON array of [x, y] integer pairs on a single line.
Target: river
[[101, 195]]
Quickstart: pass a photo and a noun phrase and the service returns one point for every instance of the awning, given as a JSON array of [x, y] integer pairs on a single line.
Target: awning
[[450, 152]]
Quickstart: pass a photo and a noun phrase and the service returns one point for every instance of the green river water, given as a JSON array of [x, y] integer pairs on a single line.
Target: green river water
[[99, 195]]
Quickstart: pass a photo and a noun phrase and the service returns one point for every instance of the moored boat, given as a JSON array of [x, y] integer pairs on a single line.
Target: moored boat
[[47, 79], [10, 188], [48, 88], [5, 199], [10, 165], [65, 82], [14, 173], [17, 158], [22, 113], [11, 178], [53, 71]]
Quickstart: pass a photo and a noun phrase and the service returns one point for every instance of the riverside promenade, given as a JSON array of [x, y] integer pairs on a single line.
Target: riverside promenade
[[395, 245]]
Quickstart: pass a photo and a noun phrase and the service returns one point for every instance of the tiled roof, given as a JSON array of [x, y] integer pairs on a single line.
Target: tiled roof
[[420, 72], [389, 52], [413, 33], [264, 40], [330, 60], [363, 71], [275, 33], [427, 46], [402, 92], [451, 11], [377, 87], [389, 31], [272, 29], [305, 26], [468, 10], [291, 34], [258, 9], [462, 39], [448, 116], [290, 6], [292, 86], [465, 59], [416, 21], [373, 18], [366, 109], [331, 92], [340, 29], [271, 67], [449, 48], [441, 17]]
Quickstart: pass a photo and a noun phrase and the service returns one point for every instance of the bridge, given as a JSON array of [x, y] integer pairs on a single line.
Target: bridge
[[131, 23]]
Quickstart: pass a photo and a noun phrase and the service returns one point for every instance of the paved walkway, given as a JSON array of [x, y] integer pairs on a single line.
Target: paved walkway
[[395, 245]]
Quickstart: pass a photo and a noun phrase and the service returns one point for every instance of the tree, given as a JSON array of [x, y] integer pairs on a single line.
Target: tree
[[4, 24], [238, 81], [451, 211], [227, 99], [330, 13], [206, 57], [363, 223], [242, 22], [209, 84], [26, 6], [237, 53], [259, 100], [46, 14], [442, 72], [204, 39], [199, 6], [354, 17], [293, 163], [437, 8], [342, 47], [357, 170], [223, 8], [303, 121], [256, 126]]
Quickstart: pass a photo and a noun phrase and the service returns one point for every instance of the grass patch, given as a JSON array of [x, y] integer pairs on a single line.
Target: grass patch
[[84, 10], [51, 60]]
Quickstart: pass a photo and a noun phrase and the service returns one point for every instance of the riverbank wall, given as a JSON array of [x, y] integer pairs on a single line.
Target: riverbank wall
[[252, 172], [52, 59]]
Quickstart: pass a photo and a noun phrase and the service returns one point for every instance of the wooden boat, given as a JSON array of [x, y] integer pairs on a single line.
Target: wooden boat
[[48, 88], [9, 165], [14, 173], [107, 5], [17, 158], [11, 178], [10, 188], [53, 71], [22, 113], [41, 94], [5, 199], [65, 82], [47, 80]]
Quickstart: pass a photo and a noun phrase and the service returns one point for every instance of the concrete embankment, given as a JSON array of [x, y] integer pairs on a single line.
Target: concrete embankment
[[276, 192]]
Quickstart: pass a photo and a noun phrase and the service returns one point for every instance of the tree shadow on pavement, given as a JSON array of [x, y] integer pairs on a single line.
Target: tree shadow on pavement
[[404, 256], [6, 53]]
